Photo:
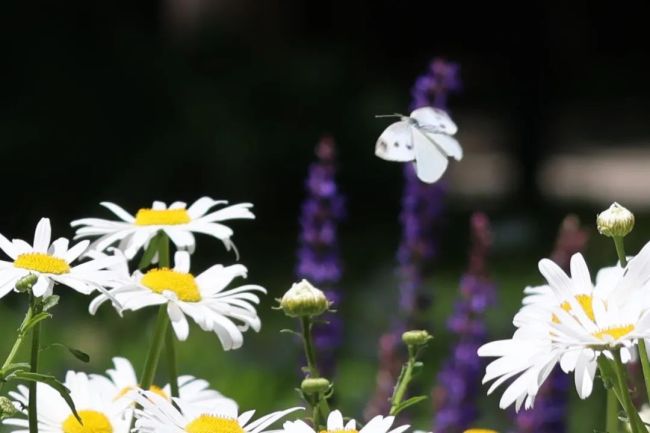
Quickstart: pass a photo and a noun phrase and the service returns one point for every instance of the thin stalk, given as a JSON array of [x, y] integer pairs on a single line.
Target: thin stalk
[[19, 340], [151, 363], [402, 382], [620, 250], [611, 421], [321, 408], [633, 417], [36, 348], [170, 348]]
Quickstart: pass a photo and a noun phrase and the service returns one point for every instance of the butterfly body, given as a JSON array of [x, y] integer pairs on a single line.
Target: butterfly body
[[425, 137]]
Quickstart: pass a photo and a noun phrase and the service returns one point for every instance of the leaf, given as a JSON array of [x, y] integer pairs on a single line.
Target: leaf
[[11, 368], [37, 318], [150, 252], [408, 403], [50, 301], [80, 355], [290, 331], [54, 383]]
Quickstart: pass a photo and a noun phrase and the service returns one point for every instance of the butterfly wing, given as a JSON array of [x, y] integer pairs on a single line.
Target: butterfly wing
[[434, 120], [449, 145], [396, 143], [430, 161]]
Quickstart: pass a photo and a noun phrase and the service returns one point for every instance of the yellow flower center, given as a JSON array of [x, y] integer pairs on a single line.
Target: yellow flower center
[[163, 217], [41, 262], [152, 388], [213, 424], [93, 422], [338, 431], [586, 303], [184, 285], [480, 430], [613, 333]]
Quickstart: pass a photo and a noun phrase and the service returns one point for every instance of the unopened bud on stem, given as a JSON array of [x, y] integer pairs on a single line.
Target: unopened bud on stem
[[616, 221], [304, 300], [417, 337]]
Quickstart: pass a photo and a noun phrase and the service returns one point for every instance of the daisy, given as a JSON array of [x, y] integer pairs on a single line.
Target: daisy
[[204, 298], [95, 405], [51, 263], [158, 415], [122, 379], [572, 322], [335, 424], [177, 221]]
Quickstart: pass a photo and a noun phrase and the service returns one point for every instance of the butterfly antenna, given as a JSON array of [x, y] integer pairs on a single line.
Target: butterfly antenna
[[389, 115]]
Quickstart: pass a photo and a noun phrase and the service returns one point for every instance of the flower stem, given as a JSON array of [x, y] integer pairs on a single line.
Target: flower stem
[[151, 363], [170, 350], [36, 348], [402, 382], [19, 341], [620, 250], [611, 422], [636, 424], [321, 407]]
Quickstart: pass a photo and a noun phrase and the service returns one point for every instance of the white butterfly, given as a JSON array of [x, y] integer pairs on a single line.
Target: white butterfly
[[426, 137]]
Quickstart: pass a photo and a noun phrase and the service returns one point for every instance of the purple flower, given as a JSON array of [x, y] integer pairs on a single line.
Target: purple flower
[[550, 411], [456, 393], [318, 250]]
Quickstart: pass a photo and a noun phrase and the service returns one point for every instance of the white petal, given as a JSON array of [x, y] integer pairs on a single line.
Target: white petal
[[42, 236]]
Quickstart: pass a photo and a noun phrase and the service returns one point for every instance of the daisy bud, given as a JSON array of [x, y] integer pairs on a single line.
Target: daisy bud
[[418, 337], [25, 283], [304, 300], [315, 385], [616, 221], [7, 408]]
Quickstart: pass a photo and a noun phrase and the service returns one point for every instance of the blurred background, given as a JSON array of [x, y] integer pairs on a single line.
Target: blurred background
[[170, 100]]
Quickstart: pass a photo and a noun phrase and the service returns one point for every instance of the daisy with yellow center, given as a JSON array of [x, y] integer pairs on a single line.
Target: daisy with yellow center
[[158, 414], [52, 263], [204, 298], [178, 221], [121, 380], [572, 322], [98, 413], [335, 424]]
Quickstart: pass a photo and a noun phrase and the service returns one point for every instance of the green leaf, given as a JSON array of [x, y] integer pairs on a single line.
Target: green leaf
[[54, 383], [290, 331], [80, 355], [11, 368], [37, 318], [408, 403], [150, 252], [50, 301]]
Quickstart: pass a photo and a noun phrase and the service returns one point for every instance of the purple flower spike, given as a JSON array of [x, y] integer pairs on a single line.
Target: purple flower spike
[[459, 381], [549, 415], [422, 208], [318, 250]]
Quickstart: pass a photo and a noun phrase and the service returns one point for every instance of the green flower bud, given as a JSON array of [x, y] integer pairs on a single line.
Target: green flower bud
[[315, 385], [615, 221], [303, 299], [25, 283], [416, 337], [7, 408]]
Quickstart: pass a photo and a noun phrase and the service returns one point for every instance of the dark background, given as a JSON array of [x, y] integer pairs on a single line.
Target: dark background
[[136, 101]]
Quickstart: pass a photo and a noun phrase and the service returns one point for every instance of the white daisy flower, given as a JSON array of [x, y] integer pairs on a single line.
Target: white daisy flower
[[158, 415], [177, 221], [122, 379], [572, 322], [227, 313], [95, 405], [51, 263], [335, 424]]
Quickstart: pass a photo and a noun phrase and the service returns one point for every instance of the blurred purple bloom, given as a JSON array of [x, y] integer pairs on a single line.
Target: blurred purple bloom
[[318, 251], [549, 414], [422, 208], [459, 381]]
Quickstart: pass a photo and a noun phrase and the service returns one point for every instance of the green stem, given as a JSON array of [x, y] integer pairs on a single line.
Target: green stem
[[402, 383], [321, 408], [151, 363], [620, 250], [305, 322], [163, 250], [611, 424], [19, 341], [636, 424], [36, 348], [645, 365], [170, 350]]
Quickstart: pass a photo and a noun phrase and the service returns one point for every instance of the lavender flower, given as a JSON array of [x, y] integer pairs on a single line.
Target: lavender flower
[[550, 410], [422, 209], [318, 251], [459, 380]]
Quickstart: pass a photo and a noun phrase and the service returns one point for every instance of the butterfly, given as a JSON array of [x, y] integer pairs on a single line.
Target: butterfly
[[425, 137]]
